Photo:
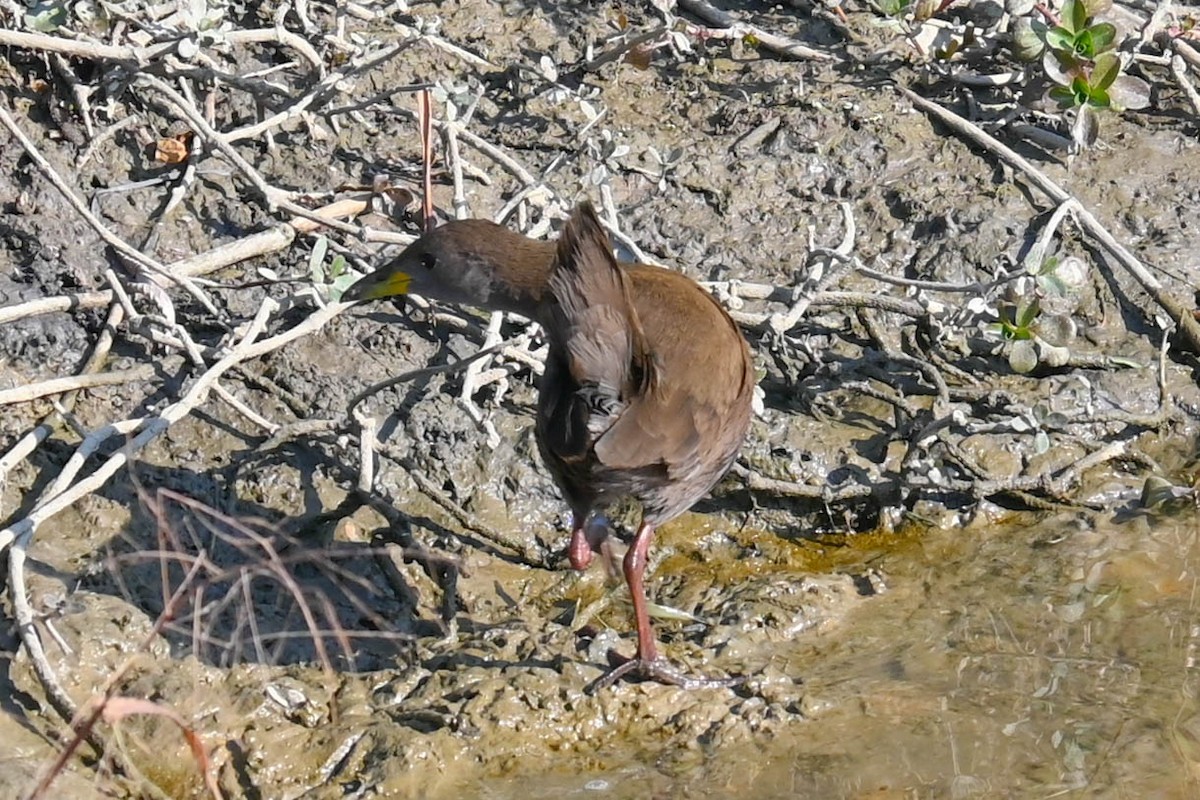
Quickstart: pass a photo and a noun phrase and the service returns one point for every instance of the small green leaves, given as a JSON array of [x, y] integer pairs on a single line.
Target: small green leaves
[[1101, 37], [1059, 284], [895, 8], [1035, 316], [1092, 94], [1015, 320], [340, 284], [1061, 65], [1029, 39], [1027, 311], [1074, 16], [1105, 71], [1084, 90], [1078, 58], [1060, 38], [337, 267], [316, 260], [1090, 42], [1066, 96], [336, 278]]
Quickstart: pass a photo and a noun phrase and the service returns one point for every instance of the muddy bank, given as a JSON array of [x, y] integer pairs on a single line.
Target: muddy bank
[[908, 625]]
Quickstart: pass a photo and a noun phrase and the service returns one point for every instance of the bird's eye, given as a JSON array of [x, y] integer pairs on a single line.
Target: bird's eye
[[428, 260]]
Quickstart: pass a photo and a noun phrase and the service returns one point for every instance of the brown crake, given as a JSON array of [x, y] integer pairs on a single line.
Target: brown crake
[[648, 382]]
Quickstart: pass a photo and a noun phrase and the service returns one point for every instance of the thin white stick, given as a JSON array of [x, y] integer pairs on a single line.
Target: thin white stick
[[1179, 70], [245, 410], [74, 47], [22, 394], [90, 444]]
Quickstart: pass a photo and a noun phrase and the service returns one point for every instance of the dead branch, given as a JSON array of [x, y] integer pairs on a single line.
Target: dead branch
[[1180, 315]]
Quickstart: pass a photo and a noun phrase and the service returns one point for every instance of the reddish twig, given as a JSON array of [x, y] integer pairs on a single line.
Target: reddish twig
[[425, 115]]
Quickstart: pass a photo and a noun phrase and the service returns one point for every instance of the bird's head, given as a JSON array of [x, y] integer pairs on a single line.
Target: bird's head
[[471, 262]]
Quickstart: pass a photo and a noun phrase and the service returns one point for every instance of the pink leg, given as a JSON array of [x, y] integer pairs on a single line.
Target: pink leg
[[579, 551], [647, 661], [635, 571]]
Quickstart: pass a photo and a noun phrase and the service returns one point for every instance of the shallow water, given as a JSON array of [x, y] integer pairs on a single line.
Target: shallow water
[[1055, 660]]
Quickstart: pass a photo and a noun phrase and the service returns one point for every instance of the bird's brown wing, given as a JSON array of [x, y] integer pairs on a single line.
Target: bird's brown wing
[[598, 357], [696, 415]]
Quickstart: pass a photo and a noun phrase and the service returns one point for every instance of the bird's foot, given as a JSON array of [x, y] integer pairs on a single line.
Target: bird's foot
[[663, 671], [586, 538]]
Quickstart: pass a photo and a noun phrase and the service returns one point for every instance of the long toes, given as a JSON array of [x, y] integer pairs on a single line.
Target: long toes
[[663, 671]]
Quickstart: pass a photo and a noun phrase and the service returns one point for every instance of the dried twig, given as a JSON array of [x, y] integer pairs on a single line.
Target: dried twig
[[32, 391], [82, 49], [772, 42], [1184, 82], [1180, 315]]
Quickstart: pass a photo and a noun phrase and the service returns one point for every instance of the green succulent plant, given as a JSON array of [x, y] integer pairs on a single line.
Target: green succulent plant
[[1077, 33], [1089, 84], [1078, 54], [1035, 317], [895, 8]]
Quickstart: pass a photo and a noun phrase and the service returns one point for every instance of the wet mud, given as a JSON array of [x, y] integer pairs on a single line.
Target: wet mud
[[958, 651]]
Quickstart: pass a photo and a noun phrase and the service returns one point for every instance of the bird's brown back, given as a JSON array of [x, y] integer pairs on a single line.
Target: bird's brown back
[[648, 389]]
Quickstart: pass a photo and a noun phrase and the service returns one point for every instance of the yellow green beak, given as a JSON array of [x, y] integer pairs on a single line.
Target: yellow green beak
[[380, 283]]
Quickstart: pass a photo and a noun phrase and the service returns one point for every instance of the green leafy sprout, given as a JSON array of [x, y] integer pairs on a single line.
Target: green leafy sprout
[[335, 276], [1035, 318]]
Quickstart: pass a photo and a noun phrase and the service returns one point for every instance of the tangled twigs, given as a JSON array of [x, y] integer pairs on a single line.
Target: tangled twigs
[[490, 150], [62, 494], [66, 490], [1188, 326], [114, 241], [780, 45], [819, 278], [275, 198]]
